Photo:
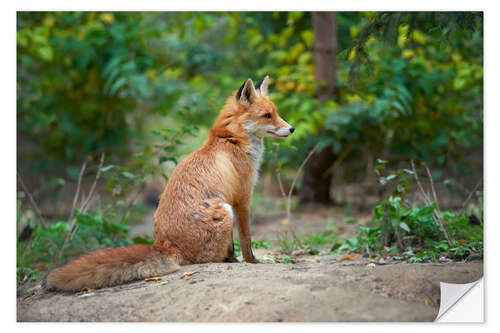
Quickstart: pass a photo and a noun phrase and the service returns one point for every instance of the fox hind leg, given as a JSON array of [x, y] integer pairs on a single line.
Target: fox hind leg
[[218, 217]]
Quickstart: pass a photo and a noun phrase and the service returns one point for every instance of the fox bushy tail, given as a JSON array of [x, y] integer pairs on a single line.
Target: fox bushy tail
[[112, 266]]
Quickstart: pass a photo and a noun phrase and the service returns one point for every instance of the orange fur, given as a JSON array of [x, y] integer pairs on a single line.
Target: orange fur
[[207, 192]]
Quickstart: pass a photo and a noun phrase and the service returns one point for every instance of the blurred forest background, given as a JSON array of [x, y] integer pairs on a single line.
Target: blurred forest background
[[108, 102]]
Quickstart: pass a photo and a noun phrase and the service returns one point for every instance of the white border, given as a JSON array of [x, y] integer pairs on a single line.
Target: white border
[[492, 109]]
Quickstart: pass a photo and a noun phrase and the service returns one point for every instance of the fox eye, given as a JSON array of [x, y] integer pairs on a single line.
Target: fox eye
[[267, 115]]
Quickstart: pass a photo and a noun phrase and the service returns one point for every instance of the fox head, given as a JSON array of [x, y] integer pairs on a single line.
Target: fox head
[[251, 110]]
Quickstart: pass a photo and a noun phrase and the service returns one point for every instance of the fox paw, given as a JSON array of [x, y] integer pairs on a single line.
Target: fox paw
[[253, 260], [231, 259]]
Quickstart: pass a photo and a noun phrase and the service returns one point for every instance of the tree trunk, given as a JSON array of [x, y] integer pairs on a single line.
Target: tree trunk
[[316, 182], [325, 52]]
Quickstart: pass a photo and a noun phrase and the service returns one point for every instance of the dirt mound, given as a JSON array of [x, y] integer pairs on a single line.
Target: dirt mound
[[316, 288]]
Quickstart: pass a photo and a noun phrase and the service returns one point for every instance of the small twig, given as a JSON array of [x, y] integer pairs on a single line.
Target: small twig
[[289, 199], [75, 199], [470, 196], [278, 175], [289, 196], [282, 190], [399, 245], [432, 187], [278, 172], [339, 160], [32, 201], [296, 177], [131, 202], [72, 219], [91, 193], [424, 195], [437, 214], [385, 237]]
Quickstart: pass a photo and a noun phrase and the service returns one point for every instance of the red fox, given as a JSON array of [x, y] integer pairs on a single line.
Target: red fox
[[206, 194]]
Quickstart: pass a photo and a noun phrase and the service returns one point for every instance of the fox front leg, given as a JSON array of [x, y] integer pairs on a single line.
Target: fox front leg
[[244, 231], [230, 256]]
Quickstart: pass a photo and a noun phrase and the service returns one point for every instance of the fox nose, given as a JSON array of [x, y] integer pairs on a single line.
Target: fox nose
[[292, 129]]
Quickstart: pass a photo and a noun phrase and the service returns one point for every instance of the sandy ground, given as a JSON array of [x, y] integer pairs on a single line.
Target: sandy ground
[[316, 288]]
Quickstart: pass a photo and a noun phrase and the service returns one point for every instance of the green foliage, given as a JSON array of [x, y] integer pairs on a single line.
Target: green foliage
[[413, 227], [80, 76], [287, 243], [88, 81], [366, 240], [328, 236], [147, 161], [237, 248], [394, 104], [143, 240], [288, 260], [261, 244], [56, 242]]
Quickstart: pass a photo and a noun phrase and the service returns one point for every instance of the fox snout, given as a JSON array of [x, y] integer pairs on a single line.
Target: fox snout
[[281, 132]]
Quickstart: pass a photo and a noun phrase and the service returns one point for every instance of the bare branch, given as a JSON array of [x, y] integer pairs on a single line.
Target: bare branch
[[432, 187], [424, 195], [91, 193], [133, 200], [278, 172], [32, 201], [72, 219], [296, 177], [77, 193], [470, 196], [339, 160], [289, 197], [437, 214]]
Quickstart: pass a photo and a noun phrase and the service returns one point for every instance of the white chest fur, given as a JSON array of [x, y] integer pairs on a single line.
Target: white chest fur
[[255, 153]]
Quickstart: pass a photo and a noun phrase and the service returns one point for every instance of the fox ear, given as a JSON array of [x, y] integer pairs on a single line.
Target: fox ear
[[262, 85], [247, 94]]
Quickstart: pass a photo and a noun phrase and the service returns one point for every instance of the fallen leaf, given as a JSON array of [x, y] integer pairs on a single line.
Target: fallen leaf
[[33, 290], [382, 261], [189, 273], [28, 295], [285, 222], [39, 267], [153, 278], [25, 278], [426, 301], [268, 258], [351, 256], [299, 252]]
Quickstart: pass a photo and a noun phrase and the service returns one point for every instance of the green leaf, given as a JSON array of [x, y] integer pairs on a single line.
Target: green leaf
[[107, 167], [287, 260], [119, 83], [390, 177], [404, 226], [128, 175], [165, 159], [307, 37], [143, 240]]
